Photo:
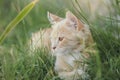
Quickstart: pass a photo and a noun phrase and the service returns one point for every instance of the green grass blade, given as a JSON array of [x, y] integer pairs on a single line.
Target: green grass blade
[[98, 61], [17, 19]]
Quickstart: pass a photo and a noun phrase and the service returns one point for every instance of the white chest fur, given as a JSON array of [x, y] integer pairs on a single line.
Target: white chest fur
[[66, 68], [67, 61]]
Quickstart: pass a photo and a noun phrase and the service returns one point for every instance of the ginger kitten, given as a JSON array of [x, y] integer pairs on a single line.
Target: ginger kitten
[[67, 39]]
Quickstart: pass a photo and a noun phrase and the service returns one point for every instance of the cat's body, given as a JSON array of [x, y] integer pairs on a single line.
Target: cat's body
[[68, 38], [40, 39]]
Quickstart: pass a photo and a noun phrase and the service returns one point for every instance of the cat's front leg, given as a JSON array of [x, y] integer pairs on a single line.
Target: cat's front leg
[[72, 75], [76, 74], [67, 75]]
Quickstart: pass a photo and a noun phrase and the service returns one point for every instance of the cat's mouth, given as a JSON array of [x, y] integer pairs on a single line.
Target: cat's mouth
[[61, 50]]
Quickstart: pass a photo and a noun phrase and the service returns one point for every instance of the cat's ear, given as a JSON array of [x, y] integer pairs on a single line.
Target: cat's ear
[[53, 18], [72, 19]]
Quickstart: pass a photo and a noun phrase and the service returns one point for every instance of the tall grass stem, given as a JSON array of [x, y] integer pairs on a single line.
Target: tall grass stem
[[17, 19]]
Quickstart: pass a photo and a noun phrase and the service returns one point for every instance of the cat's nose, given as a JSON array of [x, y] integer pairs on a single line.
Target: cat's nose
[[54, 47]]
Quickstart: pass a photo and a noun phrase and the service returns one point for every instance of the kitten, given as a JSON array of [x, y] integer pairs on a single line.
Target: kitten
[[67, 39]]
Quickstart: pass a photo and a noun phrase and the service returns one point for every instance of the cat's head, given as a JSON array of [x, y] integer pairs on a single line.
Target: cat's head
[[68, 33]]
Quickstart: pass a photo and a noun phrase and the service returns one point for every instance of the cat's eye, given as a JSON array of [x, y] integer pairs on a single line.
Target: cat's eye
[[60, 38]]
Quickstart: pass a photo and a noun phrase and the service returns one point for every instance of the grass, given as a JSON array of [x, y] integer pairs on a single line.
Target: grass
[[17, 64], [17, 19]]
